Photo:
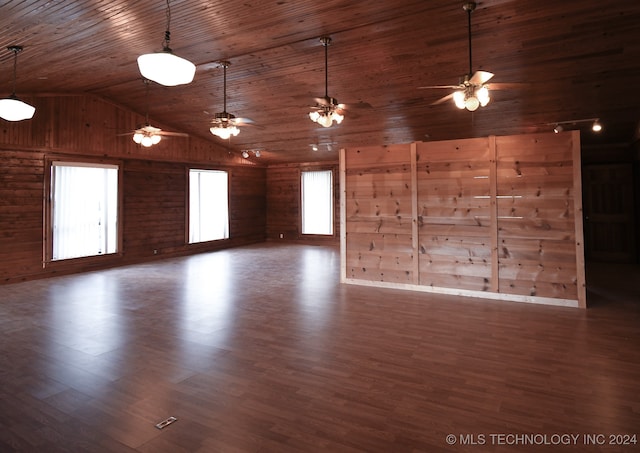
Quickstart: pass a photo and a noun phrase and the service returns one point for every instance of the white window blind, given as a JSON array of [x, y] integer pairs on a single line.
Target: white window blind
[[208, 205], [84, 204], [317, 202]]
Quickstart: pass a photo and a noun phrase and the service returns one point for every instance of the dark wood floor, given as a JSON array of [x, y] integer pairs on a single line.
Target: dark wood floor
[[259, 349]]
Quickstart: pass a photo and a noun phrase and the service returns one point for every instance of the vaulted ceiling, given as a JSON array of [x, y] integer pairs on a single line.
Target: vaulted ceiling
[[569, 60]]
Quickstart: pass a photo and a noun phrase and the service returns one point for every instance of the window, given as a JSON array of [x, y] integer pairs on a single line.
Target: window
[[317, 202], [84, 209], [208, 205]]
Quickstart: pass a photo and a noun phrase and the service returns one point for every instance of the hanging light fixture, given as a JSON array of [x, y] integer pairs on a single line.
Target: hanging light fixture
[[327, 110], [165, 67], [224, 123], [474, 93], [147, 135], [12, 108]]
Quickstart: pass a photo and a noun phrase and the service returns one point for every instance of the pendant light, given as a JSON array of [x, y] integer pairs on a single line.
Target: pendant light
[[147, 135], [165, 67], [327, 109], [12, 108], [475, 93], [224, 123]]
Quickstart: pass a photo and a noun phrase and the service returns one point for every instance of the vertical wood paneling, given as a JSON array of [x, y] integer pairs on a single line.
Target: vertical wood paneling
[[283, 195], [153, 183], [21, 179]]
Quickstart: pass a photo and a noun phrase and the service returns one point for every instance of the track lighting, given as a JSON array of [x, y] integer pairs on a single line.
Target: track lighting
[[165, 67], [12, 108], [245, 153], [558, 126]]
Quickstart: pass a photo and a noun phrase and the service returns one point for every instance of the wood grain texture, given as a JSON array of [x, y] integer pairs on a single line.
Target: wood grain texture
[[379, 214], [284, 204], [259, 348], [536, 193], [153, 185], [495, 215], [565, 61]]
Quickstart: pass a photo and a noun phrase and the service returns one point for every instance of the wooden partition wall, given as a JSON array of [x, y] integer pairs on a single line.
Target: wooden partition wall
[[494, 217]]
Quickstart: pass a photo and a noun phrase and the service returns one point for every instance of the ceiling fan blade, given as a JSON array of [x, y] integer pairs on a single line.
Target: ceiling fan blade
[[321, 101], [507, 86], [243, 121], [355, 105], [449, 87], [480, 77], [443, 99], [173, 134]]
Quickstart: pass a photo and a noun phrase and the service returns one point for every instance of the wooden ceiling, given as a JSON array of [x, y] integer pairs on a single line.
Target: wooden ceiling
[[572, 60]]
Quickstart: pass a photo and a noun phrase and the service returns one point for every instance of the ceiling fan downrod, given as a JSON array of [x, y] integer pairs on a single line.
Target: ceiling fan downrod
[[469, 7]]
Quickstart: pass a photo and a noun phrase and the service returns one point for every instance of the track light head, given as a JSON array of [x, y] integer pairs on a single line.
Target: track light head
[[596, 127]]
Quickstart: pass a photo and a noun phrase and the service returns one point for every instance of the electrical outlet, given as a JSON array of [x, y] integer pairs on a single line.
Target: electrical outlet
[[155, 251], [281, 235]]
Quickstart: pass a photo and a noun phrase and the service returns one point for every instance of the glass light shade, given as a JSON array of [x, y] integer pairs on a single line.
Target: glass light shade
[[146, 141], [13, 109], [458, 98], [166, 68], [472, 103], [224, 132], [155, 139], [597, 127], [483, 96], [137, 137], [325, 121]]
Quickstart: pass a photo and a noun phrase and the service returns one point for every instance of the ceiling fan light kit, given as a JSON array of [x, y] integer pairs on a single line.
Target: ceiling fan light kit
[[165, 67], [12, 108], [225, 125], [472, 91]]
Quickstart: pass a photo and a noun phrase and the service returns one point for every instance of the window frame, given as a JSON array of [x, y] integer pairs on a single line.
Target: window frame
[[333, 202], [187, 222], [47, 231]]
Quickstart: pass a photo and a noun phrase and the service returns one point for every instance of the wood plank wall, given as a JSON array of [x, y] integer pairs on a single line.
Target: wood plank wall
[[495, 217], [154, 182], [284, 205], [378, 214]]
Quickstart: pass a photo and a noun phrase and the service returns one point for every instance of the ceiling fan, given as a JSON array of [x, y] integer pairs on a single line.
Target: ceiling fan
[[327, 110], [224, 124], [149, 135], [472, 91]]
